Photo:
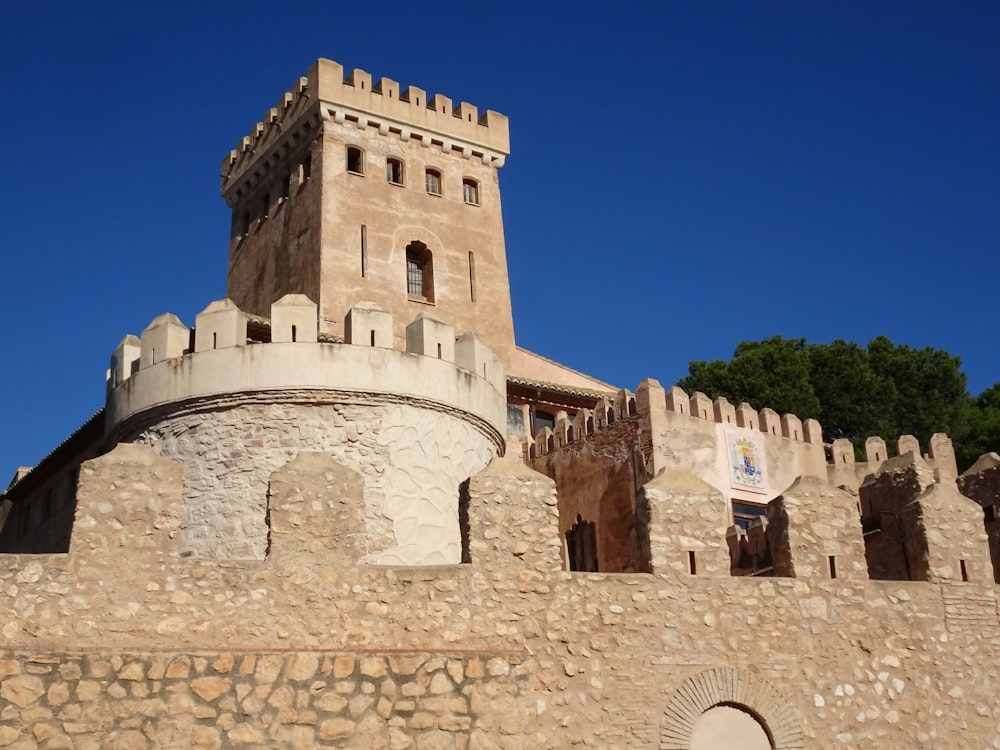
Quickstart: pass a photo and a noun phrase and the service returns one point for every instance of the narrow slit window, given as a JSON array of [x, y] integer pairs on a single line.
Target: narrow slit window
[[965, 571], [581, 546], [305, 169], [215, 340], [373, 337], [692, 563], [833, 566], [470, 191], [364, 250], [472, 276], [439, 357], [294, 333]]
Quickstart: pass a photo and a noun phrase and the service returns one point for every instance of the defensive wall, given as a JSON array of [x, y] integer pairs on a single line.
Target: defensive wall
[[600, 458], [124, 641], [237, 396], [416, 424]]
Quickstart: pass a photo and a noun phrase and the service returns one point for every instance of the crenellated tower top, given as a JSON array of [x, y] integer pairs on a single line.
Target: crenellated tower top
[[350, 190], [327, 94]]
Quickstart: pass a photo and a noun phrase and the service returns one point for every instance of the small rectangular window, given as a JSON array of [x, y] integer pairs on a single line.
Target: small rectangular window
[[305, 170], [394, 171], [432, 182], [833, 566], [355, 160], [470, 191]]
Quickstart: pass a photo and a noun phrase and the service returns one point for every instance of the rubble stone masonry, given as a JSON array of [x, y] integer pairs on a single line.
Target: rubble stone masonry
[[122, 643]]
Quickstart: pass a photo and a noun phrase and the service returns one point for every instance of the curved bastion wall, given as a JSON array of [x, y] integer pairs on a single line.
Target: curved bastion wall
[[414, 424]]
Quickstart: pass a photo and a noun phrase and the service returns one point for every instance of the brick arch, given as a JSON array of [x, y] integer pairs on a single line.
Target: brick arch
[[728, 686]]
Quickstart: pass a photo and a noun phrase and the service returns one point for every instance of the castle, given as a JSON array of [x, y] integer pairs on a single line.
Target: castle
[[345, 509]]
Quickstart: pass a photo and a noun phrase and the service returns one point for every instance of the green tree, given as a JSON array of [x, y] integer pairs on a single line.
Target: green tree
[[982, 428], [771, 373], [855, 392], [930, 386], [854, 402]]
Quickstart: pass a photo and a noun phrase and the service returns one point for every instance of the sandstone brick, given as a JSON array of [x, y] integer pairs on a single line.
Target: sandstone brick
[[179, 668], [223, 664], [441, 684], [205, 738], [22, 690], [404, 666], [330, 701], [474, 669], [57, 694], [244, 734], [343, 666], [210, 688], [132, 671], [335, 729], [302, 667], [373, 667]]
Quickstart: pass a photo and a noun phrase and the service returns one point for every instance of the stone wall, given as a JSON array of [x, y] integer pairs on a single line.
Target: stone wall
[[316, 649], [409, 509], [981, 482]]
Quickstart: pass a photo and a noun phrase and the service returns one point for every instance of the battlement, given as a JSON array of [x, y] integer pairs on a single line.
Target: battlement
[[237, 391], [229, 351], [609, 411], [845, 471], [327, 94]]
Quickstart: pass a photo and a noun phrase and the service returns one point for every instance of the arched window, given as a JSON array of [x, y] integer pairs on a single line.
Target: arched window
[[470, 191], [394, 171], [419, 272], [355, 160], [432, 182]]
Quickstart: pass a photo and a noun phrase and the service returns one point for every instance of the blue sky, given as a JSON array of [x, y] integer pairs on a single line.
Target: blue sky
[[683, 176]]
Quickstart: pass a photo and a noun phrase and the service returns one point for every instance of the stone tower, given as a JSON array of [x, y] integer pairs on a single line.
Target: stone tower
[[351, 192]]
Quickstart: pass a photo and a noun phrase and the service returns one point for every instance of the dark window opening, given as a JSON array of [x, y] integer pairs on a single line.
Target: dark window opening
[[305, 171], [463, 520], [355, 160], [581, 546], [744, 513], [419, 272], [394, 171], [692, 563], [833, 566], [542, 420], [965, 571]]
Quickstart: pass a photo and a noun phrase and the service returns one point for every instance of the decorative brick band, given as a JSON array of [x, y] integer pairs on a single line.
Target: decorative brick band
[[733, 687]]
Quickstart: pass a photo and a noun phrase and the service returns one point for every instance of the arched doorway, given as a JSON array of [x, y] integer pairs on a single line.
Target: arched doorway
[[725, 727], [712, 707]]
